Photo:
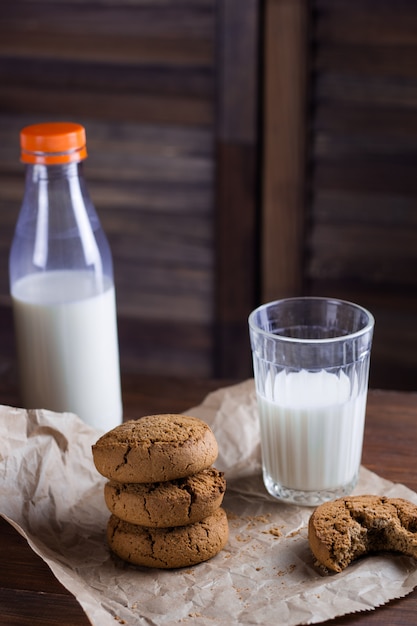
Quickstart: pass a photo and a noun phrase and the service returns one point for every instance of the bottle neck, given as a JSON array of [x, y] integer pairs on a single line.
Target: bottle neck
[[38, 172], [58, 227]]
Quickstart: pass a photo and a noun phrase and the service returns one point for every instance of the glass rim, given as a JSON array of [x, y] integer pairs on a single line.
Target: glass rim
[[297, 340]]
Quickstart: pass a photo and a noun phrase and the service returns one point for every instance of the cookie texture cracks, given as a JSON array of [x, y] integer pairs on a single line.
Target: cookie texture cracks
[[170, 503], [155, 448], [344, 530], [163, 494], [180, 546]]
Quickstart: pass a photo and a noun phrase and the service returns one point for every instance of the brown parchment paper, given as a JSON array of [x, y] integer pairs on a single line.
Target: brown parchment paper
[[52, 494]]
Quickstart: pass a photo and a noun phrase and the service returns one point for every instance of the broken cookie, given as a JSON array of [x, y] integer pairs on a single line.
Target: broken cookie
[[345, 529]]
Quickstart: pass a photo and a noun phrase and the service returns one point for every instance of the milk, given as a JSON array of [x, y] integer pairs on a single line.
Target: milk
[[312, 426], [67, 344]]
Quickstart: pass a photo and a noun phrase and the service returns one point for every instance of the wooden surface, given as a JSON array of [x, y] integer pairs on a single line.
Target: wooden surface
[[236, 201], [284, 147], [30, 595]]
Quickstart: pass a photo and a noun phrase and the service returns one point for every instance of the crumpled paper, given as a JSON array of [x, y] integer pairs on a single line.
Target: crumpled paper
[[52, 494]]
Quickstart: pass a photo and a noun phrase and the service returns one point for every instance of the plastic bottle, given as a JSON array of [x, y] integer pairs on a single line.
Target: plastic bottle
[[61, 283]]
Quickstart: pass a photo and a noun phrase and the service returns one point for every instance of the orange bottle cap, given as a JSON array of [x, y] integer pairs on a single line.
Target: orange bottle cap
[[53, 143]]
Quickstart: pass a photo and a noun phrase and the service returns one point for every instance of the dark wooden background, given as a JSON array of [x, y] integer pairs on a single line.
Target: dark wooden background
[[363, 239], [169, 101], [239, 151], [340, 165]]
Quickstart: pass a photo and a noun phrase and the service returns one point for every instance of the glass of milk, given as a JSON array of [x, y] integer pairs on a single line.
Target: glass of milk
[[311, 364]]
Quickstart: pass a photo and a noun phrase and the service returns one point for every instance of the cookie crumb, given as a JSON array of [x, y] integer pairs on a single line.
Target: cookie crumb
[[273, 531], [289, 570]]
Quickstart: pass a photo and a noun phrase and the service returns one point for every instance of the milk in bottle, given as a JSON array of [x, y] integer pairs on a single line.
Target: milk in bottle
[[62, 287]]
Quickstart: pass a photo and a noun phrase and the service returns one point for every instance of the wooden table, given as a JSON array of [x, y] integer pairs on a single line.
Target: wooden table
[[30, 595]]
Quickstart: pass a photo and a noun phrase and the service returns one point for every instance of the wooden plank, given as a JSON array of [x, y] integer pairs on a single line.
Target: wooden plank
[[173, 347], [236, 197], [19, 587], [342, 145], [284, 148], [171, 50], [364, 120], [363, 21], [367, 252], [237, 78], [398, 61], [361, 207], [161, 79], [367, 175], [145, 302], [113, 106], [235, 263], [185, 19], [379, 91]]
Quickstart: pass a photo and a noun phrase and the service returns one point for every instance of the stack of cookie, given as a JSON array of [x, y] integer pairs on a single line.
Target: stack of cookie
[[163, 493]]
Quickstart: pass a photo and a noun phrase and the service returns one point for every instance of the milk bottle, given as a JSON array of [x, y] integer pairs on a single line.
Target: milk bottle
[[62, 287]]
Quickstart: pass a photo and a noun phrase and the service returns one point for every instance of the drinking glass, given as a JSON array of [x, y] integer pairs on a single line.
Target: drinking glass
[[311, 366]]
